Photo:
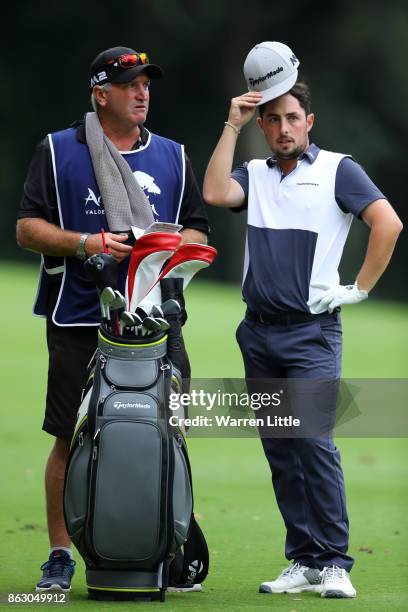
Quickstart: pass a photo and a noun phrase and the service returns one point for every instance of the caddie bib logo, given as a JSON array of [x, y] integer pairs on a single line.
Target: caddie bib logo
[[149, 186], [93, 204]]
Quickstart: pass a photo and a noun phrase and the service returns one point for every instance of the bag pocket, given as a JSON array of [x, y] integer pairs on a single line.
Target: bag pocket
[[134, 374], [76, 487], [182, 495], [127, 514]]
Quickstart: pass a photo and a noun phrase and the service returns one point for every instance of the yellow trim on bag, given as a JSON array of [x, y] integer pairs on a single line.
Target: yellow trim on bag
[[90, 586], [176, 380], [133, 345]]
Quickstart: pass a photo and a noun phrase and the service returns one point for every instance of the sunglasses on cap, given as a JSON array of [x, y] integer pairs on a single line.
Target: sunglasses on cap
[[129, 60]]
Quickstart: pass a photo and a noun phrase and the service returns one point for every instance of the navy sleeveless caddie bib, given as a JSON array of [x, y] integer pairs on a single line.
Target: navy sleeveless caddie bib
[[158, 167]]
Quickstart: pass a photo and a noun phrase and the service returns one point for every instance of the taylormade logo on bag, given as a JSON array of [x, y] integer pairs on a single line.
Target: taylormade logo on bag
[[122, 405], [194, 568]]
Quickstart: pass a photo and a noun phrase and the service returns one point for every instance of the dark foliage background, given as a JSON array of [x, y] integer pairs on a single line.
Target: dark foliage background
[[353, 54]]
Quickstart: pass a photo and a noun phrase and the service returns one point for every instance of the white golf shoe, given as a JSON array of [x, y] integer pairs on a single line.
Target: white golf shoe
[[336, 583], [294, 579], [185, 588]]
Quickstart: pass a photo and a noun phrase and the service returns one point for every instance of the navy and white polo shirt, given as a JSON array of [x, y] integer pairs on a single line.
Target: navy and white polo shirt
[[298, 225]]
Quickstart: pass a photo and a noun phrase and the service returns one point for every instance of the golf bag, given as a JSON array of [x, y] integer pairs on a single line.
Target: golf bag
[[128, 500]]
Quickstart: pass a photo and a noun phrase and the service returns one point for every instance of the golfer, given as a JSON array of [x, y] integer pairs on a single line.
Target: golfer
[[61, 216], [300, 204]]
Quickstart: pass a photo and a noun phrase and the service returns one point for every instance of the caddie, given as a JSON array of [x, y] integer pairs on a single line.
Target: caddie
[[107, 172]]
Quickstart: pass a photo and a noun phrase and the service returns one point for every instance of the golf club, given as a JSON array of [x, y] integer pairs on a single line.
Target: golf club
[[118, 303], [169, 307], [129, 319], [107, 297], [150, 325], [164, 325]]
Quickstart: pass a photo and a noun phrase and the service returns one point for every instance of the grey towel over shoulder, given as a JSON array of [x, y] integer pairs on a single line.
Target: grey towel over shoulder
[[124, 200]]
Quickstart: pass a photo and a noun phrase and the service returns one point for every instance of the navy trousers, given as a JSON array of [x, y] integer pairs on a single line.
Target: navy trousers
[[306, 472]]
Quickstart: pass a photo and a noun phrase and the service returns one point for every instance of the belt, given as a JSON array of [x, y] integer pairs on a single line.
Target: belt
[[287, 318]]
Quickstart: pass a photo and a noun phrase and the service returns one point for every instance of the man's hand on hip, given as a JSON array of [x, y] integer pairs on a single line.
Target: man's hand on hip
[[334, 296]]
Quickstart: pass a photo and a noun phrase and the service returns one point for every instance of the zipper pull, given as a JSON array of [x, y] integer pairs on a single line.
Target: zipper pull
[[81, 438], [103, 360], [95, 446]]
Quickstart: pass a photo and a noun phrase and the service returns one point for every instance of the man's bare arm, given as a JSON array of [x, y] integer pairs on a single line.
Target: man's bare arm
[[385, 228], [192, 235], [219, 188], [36, 234]]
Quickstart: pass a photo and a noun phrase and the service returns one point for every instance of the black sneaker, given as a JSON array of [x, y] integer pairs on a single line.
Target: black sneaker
[[57, 572]]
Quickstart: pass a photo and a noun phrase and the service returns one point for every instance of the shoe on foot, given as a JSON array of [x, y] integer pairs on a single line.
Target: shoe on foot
[[294, 579], [336, 583], [57, 572], [184, 588]]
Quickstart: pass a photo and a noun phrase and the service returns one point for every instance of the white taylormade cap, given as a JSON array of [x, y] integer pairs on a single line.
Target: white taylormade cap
[[271, 68]]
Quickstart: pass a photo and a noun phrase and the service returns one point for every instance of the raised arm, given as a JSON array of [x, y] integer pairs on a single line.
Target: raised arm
[[219, 188]]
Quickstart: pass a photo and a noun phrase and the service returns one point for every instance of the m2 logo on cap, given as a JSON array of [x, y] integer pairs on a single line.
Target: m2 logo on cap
[[97, 78], [294, 60], [269, 75]]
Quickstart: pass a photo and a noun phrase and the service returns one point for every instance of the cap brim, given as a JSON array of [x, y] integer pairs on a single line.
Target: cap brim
[[278, 90], [151, 70]]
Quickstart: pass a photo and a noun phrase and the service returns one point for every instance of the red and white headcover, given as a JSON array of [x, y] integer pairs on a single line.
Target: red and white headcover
[[149, 254], [184, 263]]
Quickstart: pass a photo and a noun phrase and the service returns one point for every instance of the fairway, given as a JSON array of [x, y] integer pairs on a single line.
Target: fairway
[[234, 500]]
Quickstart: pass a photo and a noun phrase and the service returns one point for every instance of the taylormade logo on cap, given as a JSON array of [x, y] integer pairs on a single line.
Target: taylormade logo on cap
[[271, 68], [255, 82]]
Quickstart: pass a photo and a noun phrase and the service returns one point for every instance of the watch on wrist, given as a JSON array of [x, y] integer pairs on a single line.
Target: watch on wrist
[[81, 254]]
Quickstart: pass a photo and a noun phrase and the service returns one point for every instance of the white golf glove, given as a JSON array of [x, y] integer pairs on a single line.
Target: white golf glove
[[335, 295]]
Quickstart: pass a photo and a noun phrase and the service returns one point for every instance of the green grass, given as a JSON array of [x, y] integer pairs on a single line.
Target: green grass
[[233, 495]]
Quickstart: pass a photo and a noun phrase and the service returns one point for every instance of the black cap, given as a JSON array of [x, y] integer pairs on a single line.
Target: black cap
[[101, 71]]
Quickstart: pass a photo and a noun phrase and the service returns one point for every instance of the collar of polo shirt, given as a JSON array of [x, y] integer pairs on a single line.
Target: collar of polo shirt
[[310, 154]]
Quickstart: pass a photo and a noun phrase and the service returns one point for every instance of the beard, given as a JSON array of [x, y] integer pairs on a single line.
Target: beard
[[293, 154]]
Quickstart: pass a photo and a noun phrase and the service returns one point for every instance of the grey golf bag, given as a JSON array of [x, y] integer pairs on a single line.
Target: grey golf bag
[[128, 500], [128, 494]]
